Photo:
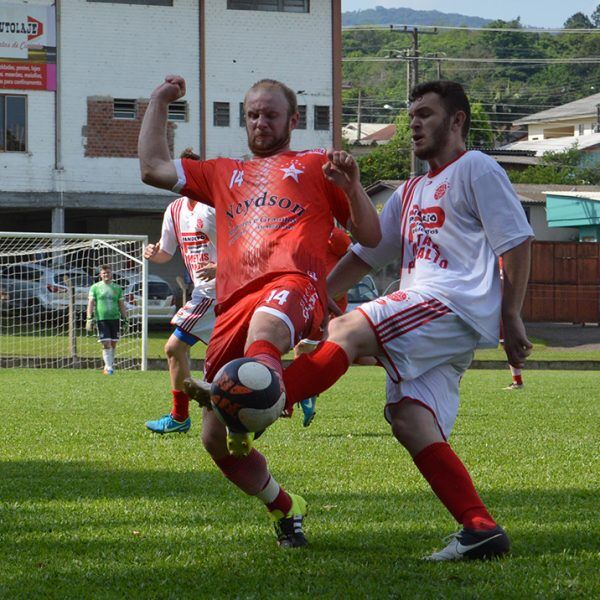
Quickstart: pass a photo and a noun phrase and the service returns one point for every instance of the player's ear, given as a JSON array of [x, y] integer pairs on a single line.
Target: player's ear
[[459, 120], [294, 120]]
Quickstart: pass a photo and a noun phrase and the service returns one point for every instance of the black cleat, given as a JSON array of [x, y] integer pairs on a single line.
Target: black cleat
[[197, 390], [289, 527], [469, 544]]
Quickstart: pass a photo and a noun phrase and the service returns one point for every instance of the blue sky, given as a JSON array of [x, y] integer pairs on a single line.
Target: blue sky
[[539, 13]]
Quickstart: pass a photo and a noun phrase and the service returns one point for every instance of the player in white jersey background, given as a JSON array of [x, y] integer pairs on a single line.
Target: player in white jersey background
[[189, 226], [449, 227]]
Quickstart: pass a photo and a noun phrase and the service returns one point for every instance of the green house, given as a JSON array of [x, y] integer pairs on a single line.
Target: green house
[[575, 209]]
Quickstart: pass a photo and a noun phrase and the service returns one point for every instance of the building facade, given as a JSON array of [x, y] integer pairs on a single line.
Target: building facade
[[68, 137]]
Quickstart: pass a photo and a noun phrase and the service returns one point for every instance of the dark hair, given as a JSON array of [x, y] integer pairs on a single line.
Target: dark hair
[[453, 98], [189, 153], [289, 94], [105, 268]]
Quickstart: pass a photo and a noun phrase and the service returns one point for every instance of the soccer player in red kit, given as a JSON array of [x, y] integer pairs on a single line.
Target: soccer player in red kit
[[274, 215]]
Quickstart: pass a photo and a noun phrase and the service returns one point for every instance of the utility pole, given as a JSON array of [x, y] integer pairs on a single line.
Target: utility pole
[[359, 116], [412, 77]]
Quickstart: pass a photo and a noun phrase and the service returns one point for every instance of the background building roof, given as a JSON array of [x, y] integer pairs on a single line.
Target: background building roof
[[578, 108]]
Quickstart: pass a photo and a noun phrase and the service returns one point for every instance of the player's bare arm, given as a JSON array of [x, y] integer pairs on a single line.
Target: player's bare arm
[[156, 166], [349, 270], [516, 274], [154, 254], [342, 170]]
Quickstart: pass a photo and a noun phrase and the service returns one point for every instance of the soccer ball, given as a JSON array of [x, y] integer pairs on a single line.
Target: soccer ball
[[246, 395]]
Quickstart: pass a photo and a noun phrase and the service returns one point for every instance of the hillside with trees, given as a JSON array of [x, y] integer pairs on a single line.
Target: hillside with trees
[[400, 16], [508, 70]]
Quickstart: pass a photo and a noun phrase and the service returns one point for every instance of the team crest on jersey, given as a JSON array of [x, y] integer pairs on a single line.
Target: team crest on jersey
[[441, 190], [292, 171], [199, 223]]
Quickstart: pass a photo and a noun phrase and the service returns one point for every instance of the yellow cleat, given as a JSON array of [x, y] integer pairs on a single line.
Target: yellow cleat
[[239, 444]]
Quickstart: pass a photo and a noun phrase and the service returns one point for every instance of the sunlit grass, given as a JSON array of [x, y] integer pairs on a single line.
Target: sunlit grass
[[94, 506]]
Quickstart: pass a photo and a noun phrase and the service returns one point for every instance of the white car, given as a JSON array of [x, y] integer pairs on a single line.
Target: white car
[[364, 291], [161, 300], [46, 287]]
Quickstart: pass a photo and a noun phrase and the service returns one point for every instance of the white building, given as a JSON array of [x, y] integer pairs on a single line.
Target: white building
[[68, 159], [558, 129]]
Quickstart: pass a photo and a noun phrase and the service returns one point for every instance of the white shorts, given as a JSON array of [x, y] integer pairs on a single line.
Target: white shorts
[[426, 349], [197, 317]]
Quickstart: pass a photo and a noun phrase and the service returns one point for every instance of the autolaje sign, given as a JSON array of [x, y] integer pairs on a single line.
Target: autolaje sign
[[27, 47]]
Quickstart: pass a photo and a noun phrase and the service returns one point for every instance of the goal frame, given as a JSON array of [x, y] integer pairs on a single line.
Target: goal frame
[[105, 239]]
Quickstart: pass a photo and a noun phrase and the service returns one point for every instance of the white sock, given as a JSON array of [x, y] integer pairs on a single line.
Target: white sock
[[111, 358], [107, 358], [269, 492]]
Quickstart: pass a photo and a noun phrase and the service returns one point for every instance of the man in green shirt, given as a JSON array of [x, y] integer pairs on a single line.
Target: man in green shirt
[[106, 306]]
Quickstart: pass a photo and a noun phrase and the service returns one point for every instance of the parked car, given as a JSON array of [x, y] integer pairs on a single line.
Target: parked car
[[364, 291], [161, 300], [54, 289], [31, 286]]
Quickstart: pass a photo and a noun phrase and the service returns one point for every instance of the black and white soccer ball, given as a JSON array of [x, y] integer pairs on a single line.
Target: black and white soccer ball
[[246, 395]]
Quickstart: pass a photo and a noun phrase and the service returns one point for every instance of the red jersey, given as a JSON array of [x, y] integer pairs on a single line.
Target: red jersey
[[274, 216]]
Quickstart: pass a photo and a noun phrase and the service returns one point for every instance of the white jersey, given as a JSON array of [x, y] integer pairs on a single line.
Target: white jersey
[[449, 227], [191, 226]]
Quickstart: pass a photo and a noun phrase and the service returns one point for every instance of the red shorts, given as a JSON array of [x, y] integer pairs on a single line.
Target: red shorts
[[292, 298]]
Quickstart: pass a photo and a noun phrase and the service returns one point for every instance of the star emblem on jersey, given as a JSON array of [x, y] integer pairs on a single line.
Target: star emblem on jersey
[[292, 171]]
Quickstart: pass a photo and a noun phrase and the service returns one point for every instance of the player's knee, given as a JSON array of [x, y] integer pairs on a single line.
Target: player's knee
[[345, 332], [173, 349], [214, 440], [401, 429]]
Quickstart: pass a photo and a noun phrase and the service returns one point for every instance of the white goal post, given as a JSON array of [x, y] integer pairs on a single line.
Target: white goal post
[[44, 284]]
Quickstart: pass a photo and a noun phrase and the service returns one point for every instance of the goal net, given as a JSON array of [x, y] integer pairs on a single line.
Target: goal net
[[44, 284]]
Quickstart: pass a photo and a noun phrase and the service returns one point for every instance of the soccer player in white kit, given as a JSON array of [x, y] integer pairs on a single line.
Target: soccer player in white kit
[[190, 226], [449, 227]]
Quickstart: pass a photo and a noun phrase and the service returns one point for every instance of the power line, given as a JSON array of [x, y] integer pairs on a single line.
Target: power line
[[465, 28], [511, 61]]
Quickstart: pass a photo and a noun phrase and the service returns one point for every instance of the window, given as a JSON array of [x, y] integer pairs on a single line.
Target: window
[[146, 2], [242, 115], [178, 111], [581, 128], [297, 6], [322, 118], [302, 119], [221, 114], [124, 109], [13, 123]]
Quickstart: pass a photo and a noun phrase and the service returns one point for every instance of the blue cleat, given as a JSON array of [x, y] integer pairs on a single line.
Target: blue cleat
[[168, 424], [309, 410]]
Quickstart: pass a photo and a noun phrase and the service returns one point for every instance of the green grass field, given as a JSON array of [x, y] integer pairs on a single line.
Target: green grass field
[[94, 506], [87, 346]]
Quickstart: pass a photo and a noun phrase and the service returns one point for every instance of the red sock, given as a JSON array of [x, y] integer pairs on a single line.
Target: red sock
[[249, 473], [518, 379], [311, 374], [283, 502], [181, 405], [266, 353], [453, 485]]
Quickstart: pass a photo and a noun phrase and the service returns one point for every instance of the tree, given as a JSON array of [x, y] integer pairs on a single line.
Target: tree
[[578, 21], [570, 167], [596, 17], [390, 161], [480, 134]]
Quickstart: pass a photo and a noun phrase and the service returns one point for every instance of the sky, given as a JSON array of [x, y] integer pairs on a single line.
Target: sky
[[536, 13]]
